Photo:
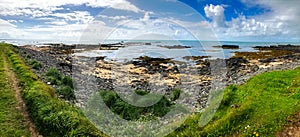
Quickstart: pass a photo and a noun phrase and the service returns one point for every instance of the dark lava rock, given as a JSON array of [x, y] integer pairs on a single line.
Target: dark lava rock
[[100, 58], [176, 47], [205, 69], [235, 63], [195, 58], [268, 60], [287, 47], [228, 47]]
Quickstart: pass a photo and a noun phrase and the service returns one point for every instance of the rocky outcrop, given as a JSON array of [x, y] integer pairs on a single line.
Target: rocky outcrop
[[228, 46], [176, 47]]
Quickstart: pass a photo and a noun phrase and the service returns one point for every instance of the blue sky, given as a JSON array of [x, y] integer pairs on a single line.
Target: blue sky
[[96, 20]]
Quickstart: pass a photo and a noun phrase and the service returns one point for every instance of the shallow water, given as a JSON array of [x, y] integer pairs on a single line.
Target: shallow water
[[138, 48]]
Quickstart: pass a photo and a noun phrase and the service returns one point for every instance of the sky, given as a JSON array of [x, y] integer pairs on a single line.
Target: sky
[[97, 20]]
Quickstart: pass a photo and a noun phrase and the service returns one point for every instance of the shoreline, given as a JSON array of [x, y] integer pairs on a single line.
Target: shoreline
[[145, 73]]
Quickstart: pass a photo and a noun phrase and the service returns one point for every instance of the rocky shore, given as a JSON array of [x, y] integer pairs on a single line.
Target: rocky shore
[[161, 75]]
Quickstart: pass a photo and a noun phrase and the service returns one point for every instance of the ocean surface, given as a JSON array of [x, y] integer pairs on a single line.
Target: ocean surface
[[138, 48]]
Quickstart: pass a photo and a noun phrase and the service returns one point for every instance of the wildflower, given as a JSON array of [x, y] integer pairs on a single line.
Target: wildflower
[[255, 133], [247, 126]]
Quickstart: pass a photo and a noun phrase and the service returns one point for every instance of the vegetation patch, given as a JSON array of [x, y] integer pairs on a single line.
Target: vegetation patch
[[131, 112], [12, 123], [52, 116], [260, 107], [263, 54], [63, 83], [36, 64]]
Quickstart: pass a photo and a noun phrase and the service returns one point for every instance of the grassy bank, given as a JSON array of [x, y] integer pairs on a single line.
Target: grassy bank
[[52, 116], [12, 123], [260, 107]]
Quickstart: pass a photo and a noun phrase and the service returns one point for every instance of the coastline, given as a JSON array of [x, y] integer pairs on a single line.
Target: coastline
[[157, 74]]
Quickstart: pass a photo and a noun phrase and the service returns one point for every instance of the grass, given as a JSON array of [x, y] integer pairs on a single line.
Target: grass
[[12, 123], [130, 112], [51, 115], [36, 64], [260, 107], [64, 84]]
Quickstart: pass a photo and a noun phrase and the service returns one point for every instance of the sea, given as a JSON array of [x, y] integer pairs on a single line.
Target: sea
[[137, 48]]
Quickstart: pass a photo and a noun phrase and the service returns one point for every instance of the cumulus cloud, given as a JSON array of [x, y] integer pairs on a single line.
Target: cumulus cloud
[[285, 13], [172, 27], [113, 17], [116, 4], [77, 16], [216, 13], [281, 21], [44, 7], [56, 23]]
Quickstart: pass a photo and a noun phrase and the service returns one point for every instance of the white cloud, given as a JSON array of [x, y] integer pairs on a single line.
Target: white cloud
[[113, 17], [116, 4], [57, 23], [9, 30], [78, 16], [242, 26], [15, 21], [12, 21], [40, 8], [171, 27], [9, 11], [285, 13], [146, 16], [216, 13], [281, 21]]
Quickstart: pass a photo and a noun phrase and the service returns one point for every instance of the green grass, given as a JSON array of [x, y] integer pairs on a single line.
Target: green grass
[[130, 112], [36, 64], [261, 106], [64, 84], [12, 123], [52, 116]]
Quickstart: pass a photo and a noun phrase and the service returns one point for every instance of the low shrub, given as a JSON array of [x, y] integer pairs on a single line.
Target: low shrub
[[67, 81], [36, 64], [64, 84], [175, 94], [54, 73], [66, 92], [130, 112]]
